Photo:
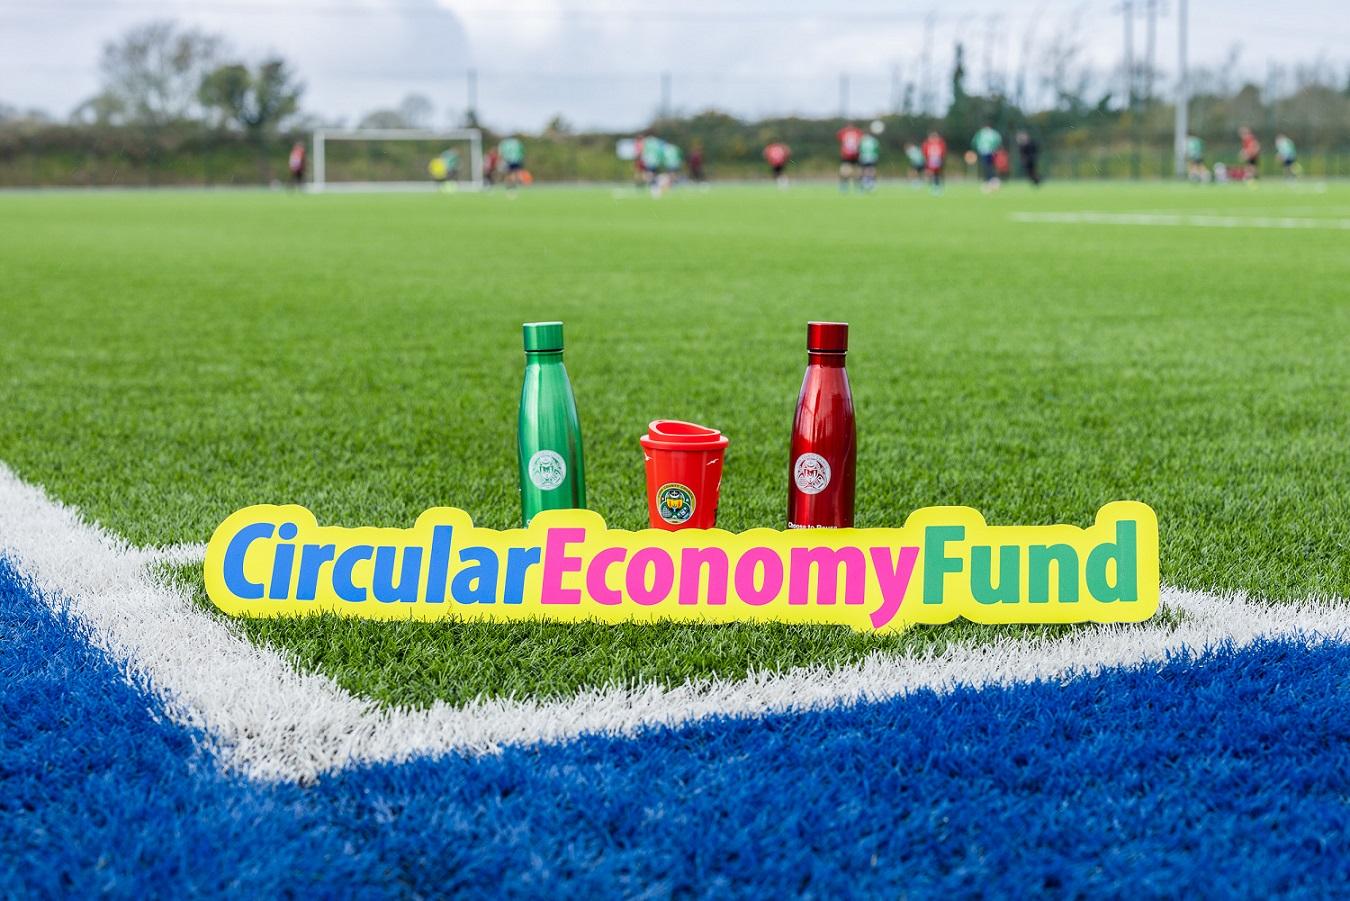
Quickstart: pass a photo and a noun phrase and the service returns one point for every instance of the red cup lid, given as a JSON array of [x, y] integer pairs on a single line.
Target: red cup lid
[[827, 337], [674, 434]]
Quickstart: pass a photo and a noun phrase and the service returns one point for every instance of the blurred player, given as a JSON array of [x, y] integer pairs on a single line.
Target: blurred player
[[653, 157], [492, 161], [1030, 152], [1285, 150], [696, 163], [916, 166], [639, 170], [986, 143], [296, 164], [869, 153], [1251, 153], [777, 156], [934, 160], [850, 140], [512, 152], [672, 163], [1195, 159]]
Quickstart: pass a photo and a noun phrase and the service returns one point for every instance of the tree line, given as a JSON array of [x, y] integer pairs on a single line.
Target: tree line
[[177, 106]]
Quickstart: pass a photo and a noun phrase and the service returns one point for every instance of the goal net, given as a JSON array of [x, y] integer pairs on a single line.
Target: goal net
[[397, 159]]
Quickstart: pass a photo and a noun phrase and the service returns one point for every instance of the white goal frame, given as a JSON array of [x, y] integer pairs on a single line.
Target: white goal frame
[[322, 136]]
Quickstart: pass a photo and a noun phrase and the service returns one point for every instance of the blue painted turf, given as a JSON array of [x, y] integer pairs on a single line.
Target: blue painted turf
[[1227, 777]]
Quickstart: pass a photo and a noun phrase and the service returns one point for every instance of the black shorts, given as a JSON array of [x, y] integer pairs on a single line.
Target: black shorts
[[514, 167], [1254, 162]]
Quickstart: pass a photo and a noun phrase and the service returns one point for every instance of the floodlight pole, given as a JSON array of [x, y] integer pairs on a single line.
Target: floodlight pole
[[1150, 44], [1183, 98], [1127, 8], [319, 173]]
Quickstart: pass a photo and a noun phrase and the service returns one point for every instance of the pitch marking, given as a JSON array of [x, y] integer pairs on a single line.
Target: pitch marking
[[267, 719], [1179, 219]]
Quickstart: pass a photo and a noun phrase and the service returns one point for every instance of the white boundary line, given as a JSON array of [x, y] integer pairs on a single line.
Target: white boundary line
[[1179, 219], [270, 721]]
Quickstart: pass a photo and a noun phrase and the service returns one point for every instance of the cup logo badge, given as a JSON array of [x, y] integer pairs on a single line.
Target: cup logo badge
[[675, 503], [547, 470], [811, 472]]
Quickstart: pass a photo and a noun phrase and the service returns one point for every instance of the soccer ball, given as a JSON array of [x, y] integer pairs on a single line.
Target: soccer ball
[[878, 126]]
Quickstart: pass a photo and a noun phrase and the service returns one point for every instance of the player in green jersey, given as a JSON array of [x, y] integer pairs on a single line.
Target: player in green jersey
[[512, 153], [869, 152], [1195, 159], [1288, 154], [672, 161], [653, 158], [986, 143], [916, 164]]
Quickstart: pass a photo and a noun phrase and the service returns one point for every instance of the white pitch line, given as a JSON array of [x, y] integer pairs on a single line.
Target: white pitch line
[[273, 722], [171, 555], [1179, 219]]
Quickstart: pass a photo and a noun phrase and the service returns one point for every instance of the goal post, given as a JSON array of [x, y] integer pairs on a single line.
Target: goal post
[[324, 137]]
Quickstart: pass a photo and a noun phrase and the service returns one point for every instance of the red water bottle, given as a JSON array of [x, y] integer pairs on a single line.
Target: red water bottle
[[824, 437]]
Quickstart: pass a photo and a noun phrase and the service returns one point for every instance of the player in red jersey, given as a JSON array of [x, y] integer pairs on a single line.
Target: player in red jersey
[[491, 160], [850, 143], [777, 156], [297, 163], [934, 159], [1251, 153]]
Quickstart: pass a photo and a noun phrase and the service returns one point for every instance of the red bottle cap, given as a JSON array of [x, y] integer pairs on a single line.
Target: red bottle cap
[[827, 337]]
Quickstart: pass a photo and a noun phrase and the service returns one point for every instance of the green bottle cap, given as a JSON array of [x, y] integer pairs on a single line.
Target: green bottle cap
[[543, 337]]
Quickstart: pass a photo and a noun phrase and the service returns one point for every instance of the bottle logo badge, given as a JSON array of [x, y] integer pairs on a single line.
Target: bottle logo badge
[[675, 503], [547, 470], [811, 472]]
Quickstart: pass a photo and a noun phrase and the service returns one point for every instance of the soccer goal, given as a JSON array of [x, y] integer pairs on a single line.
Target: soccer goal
[[396, 159]]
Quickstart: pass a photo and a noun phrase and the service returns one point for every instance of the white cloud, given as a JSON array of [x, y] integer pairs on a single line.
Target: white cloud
[[599, 62]]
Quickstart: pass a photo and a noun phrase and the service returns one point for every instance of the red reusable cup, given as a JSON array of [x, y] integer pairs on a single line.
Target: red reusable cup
[[684, 474]]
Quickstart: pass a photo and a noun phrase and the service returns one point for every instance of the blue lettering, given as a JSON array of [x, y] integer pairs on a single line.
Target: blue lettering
[[518, 562], [312, 559], [343, 586], [382, 583], [476, 584], [235, 580], [438, 563]]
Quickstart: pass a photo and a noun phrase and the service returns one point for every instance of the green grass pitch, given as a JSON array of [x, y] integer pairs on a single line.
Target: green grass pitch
[[169, 358]]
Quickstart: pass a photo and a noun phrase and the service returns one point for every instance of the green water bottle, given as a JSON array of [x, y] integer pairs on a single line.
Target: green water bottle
[[548, 436]]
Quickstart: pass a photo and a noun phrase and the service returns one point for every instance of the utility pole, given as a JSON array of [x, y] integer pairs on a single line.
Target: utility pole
[[1127, 7], [1183, 100], [472, 101], [843, 95], [926, 99], [1150, 44], [664, 109]]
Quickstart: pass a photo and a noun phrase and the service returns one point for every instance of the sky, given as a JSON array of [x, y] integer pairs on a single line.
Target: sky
[[599, 63]]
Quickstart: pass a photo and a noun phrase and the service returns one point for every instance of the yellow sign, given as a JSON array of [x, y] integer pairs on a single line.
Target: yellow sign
[[944, 563]]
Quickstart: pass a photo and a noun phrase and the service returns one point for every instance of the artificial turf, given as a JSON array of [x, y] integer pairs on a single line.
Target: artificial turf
[[171, 357]]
